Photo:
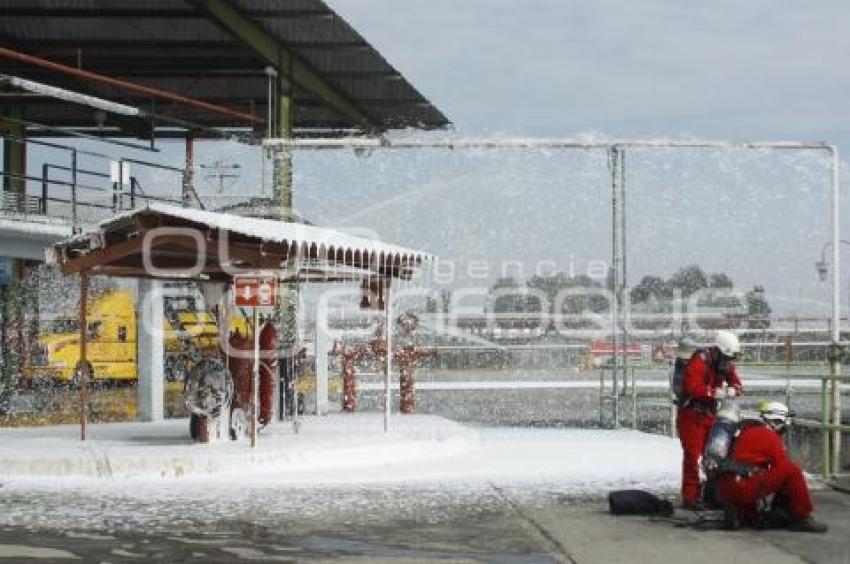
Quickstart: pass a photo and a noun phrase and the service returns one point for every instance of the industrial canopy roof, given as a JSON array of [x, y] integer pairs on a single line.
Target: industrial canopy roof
[[213, 50], [188, 244]]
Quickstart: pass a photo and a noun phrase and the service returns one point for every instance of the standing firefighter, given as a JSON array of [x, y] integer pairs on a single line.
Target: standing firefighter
[[759, 467], [706, 370]]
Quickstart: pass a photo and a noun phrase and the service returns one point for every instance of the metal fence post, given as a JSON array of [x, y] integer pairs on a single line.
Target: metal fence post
[[824, 433], [45, 170], [133, 183], [835, 361], [634, 400], [74, 189]]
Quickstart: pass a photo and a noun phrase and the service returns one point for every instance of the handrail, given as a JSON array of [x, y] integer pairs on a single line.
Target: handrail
[[117, 191], [828, 448], [813, 424]]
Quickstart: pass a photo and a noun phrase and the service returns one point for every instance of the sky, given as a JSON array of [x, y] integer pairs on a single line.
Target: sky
[[723, 70], [717, 69]]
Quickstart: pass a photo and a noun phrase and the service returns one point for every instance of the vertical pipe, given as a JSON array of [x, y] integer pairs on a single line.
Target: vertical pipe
[[624, 299], [188, 172], [835, 366], [634, 401], [45, 170], [116, 186], [255, 389], [388, 312], [83, 364], [601, 396], [271, 73], [824, 432], [788, 393], [74, 189], [615, 264]]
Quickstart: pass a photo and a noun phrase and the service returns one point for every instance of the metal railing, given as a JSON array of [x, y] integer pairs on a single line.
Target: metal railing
[[65, 190], [16, 202], [660, 397]]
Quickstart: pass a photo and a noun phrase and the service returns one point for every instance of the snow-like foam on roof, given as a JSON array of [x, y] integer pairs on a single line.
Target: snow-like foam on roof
[[270, 230]]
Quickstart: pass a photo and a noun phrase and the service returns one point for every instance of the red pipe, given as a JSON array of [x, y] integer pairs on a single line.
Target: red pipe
[[147, 90]]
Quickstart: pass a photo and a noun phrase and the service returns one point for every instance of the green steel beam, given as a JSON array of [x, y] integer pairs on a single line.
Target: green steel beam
[[276, 54], [285, 116]]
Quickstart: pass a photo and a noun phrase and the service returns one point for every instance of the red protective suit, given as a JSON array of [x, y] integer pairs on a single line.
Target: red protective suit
[[695, 418], [241, 366], [761, 447]]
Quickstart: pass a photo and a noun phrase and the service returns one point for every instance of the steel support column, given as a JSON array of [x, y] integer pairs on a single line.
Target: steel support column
[[150, 366], [282, 176], [14, 152], [13, 196]]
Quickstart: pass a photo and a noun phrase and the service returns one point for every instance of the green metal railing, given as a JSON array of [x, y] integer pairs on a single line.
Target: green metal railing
[[660, 397]]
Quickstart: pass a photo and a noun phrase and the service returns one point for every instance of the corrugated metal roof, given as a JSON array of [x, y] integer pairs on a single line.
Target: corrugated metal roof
[[172, 45]]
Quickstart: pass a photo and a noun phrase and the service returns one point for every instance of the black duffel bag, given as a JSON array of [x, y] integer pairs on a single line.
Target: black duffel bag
[[638, 502]]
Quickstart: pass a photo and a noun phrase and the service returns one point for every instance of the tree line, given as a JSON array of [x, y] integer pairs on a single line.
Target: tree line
[[653, 294]]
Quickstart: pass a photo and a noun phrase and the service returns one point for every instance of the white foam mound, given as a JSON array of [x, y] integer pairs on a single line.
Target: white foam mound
[[347, 448], [163, 449]]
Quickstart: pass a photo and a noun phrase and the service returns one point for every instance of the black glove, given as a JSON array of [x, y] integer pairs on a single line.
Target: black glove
[[731, 466]]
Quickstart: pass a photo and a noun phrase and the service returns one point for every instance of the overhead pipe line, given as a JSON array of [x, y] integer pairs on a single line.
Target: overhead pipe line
[[126, 85], [831, 409], [70, 132], [100, 104], [473, 143]]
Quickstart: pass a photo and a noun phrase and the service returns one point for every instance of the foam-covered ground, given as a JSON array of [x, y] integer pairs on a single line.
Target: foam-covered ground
[[349, 448], [335, 466]]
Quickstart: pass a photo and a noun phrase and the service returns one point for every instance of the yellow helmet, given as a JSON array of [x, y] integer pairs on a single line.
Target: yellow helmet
[[775, 413]]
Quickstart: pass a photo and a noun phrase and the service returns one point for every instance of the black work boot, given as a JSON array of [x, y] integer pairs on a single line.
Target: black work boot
[[808, 525], [693, 506], [731, 519]]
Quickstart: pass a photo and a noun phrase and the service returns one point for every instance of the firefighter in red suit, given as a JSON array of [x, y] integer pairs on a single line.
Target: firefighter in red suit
[[706, 370], [758, 466]]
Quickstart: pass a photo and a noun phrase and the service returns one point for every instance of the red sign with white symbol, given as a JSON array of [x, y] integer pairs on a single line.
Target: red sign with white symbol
[[255, 291]]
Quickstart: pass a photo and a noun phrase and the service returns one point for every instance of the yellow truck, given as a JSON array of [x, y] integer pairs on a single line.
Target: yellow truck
[[111, 341]]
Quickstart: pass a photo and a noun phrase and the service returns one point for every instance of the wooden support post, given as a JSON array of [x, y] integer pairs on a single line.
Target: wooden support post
[[388, 312], [82, 367], [255, 396]]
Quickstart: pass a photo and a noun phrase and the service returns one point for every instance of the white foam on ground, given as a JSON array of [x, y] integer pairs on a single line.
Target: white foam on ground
[[338, 449], [35, 552], [163, 449], [341, 466]]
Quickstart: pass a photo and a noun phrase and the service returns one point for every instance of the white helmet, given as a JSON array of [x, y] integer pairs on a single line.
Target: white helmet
[[727, 343]]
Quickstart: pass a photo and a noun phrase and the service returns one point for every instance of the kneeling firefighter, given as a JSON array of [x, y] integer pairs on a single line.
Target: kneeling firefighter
[[757, 467]]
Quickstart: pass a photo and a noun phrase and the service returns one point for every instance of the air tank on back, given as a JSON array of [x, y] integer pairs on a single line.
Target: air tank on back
[[722, 434]]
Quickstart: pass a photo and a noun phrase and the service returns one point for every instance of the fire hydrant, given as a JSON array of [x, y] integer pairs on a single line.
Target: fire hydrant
[[349, 357]]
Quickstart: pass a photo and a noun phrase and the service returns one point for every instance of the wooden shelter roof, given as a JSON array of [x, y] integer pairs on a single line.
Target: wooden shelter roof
[[174, 243]]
